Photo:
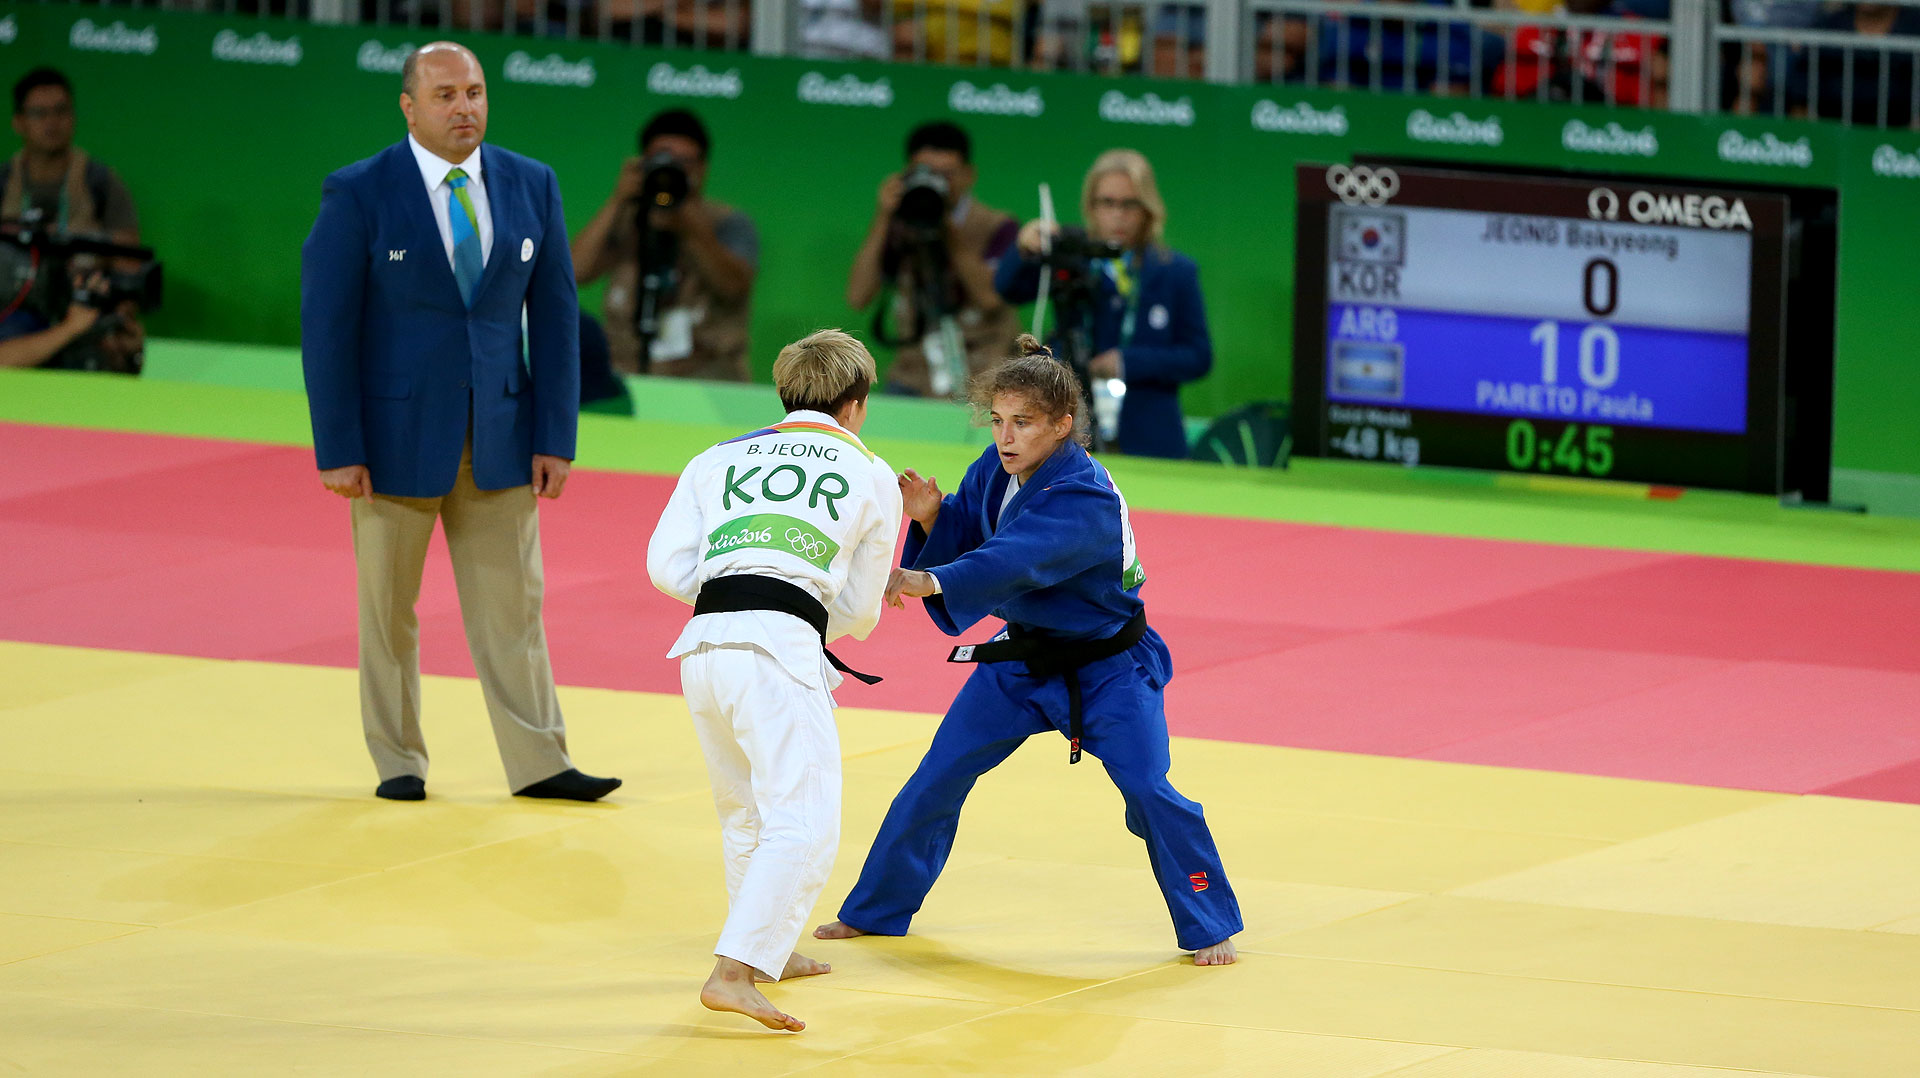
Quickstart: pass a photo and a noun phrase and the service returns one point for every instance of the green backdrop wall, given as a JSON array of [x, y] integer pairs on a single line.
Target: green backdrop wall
[[224, 127]]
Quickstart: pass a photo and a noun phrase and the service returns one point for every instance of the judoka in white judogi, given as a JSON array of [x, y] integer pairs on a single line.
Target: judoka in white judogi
[[803, 502]]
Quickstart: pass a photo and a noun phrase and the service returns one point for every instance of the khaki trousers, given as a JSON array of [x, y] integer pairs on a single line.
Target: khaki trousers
[[493, 538]]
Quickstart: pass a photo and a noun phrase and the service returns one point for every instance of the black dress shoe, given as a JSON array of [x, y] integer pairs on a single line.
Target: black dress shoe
[[402, 788], [572, 786]]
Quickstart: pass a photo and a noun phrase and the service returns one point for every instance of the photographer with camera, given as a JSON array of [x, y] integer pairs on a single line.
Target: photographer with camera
[[682, 272], [930, 254], [74, 281], [1129, 307]]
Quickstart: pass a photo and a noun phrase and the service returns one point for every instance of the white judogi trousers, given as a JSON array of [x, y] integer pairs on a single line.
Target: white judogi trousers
[[773, 754]]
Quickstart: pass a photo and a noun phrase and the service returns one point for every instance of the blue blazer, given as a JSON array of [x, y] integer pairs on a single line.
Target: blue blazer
[[1170, 343], [397, 366]]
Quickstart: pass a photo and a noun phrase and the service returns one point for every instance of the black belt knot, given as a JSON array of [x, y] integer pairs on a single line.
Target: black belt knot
[[741, 592], [1046, 656]]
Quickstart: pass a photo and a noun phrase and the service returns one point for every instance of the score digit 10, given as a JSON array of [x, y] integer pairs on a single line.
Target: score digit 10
[[1578, 450]]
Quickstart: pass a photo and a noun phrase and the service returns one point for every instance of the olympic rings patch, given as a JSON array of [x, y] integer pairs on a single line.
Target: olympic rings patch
[[1363, 186], [809, 546]]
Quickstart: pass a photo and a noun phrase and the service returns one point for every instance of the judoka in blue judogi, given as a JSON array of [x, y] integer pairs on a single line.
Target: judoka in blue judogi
[[1053, 556]]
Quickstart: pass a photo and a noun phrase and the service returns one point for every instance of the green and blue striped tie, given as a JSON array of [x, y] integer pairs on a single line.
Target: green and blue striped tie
[[467, 262]]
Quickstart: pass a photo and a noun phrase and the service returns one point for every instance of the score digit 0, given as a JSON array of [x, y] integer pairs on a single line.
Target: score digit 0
[[1597, 269]]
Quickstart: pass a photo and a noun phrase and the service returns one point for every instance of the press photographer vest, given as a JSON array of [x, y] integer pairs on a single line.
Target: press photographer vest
[[719, 332], [988, 337], [83, 193]]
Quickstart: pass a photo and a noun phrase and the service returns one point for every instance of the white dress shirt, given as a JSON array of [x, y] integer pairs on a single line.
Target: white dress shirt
[[433, 171]]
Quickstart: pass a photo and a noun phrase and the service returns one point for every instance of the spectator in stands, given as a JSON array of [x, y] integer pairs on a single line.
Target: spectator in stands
[[1279, 47], [1533, 53], [712, 250], [56, 186], [1179, 44], [1148, 320], [1621, 68], [703, 24], [1754, 73], [1374, 50], [843, 30], [962, 252], [1823, 83], [956, 31]]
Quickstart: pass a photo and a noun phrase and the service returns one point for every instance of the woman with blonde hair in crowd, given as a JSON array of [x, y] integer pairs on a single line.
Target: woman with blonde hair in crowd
[[1147, 323]]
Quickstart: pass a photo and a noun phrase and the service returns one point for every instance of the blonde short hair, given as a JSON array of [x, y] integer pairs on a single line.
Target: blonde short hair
[[1134, 166], [822, 371]]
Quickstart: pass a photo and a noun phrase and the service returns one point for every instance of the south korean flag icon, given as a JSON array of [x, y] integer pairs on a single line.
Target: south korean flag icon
[[1371, 236]]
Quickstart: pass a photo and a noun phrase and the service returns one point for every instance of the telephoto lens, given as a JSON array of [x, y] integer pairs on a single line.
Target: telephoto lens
[[923, 199], [665, 184]]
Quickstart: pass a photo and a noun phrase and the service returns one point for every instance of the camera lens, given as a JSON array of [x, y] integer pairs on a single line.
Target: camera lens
[[665, 183], [923, 198]]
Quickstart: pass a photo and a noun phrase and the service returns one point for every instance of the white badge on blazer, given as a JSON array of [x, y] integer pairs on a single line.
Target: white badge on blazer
[[526, 249], [1157, 316]]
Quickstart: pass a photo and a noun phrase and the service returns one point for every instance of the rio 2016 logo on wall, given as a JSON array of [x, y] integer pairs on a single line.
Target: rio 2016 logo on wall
[[1767, 149], [377, 59], [1611, 139], [117, 36], [1149, 108], [995, 100], [261, 48], [1454, 129], [1299, 118], [550, 70], [1888, 161], [9, 30], [848, 90], [696, 81]]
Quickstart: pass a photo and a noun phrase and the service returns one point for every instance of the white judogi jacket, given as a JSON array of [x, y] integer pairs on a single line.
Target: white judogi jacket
[[803, 501]]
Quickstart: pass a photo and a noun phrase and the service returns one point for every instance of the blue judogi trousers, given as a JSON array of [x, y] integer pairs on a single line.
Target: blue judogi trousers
[[1125, 727]]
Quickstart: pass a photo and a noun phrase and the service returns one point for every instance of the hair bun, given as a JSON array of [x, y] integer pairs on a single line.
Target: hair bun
[[1029, 345]]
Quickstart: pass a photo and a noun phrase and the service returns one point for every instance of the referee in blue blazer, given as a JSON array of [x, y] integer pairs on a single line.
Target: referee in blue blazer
[[433, 400]]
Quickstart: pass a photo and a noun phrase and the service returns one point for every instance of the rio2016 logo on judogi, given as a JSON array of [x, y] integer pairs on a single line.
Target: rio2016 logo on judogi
[[774, 531]]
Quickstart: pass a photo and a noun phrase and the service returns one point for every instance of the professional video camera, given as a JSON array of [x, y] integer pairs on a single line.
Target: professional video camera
[[37, 267], [1073, 266], [1075, 251]]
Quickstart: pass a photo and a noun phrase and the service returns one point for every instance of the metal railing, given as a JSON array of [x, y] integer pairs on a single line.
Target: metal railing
[[1853, 77], [1855, 63]]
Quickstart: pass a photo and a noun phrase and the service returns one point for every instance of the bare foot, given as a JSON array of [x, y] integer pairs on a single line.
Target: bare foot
[[1220, 954], [730, 988], [798, 965], [838, 930]]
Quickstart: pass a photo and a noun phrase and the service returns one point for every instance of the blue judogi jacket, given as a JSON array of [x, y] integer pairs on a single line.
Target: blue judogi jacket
[[1054, 563]]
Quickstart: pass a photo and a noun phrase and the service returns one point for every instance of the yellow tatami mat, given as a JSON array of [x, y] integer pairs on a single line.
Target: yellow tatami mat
[[196, 879]]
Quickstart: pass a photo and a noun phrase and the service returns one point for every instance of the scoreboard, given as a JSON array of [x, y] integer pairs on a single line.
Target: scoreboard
[[1540, 325]]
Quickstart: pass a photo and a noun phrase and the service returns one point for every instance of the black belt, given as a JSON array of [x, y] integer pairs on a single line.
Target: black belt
[[733, 594], [1046, 656]]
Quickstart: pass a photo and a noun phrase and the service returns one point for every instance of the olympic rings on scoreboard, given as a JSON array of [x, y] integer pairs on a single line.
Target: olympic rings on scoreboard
[[810, 546], [1363, 186]]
